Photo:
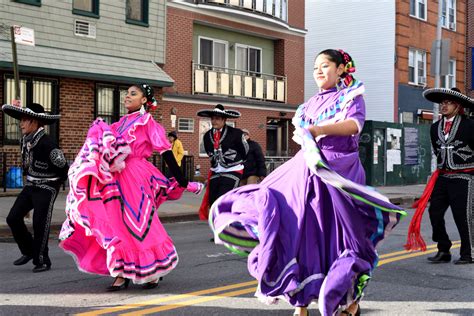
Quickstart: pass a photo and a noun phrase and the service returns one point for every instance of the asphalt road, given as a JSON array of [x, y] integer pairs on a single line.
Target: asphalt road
[[211, 281]]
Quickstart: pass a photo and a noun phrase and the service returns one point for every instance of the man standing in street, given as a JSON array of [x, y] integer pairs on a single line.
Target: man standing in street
[[254, 166], [227, 150], [45, 168], [452, 185]]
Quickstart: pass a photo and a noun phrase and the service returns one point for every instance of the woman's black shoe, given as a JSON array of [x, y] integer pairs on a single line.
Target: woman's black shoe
[[151, 285], [22, 260], [41, 267], [114, 287], [440, 257]]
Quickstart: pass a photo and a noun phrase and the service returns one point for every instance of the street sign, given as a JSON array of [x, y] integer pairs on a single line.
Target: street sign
[[444, 59], [24, 36]]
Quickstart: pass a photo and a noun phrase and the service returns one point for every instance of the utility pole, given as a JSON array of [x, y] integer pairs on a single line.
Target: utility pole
[[15, 65], [437, 70]]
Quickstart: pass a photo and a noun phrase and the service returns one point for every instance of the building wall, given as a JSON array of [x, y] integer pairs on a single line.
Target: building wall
[[286, 46], [368, 38], [289, 51], [470, 49], [422, 39], [296, 13], [53, 23], [234, 38]]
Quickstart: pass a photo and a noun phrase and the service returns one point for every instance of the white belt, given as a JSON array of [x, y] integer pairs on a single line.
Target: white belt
[[34, 179]]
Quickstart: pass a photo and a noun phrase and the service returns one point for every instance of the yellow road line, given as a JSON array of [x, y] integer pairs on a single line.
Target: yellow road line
[[192, 300], [167, 299], [411, 255], [198, 300], [402, 252]]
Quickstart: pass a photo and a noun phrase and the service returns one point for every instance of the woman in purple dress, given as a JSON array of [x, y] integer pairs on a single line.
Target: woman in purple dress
[[311, 227]]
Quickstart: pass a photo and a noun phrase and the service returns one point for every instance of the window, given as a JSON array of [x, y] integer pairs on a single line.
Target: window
[[33, 90], [32, 2], [448, 14], [449, 81], [186, 125], [213, 52], [248, 58], [418, 9], [416, 66], [137, 12], [86, 7], [204, 126], [109, 102]]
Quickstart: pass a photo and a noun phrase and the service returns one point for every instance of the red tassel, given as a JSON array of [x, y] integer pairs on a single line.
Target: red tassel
[[414, 239], [204, 208]]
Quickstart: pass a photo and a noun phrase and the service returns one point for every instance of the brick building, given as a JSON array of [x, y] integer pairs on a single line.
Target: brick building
[[86, 55], [392, 48], [247, 55], [470, 49], [416, 29]]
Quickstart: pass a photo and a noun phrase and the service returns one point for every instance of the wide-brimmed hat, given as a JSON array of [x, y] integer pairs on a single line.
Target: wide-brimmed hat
[[33, 110], [219, 111], [438, 95]]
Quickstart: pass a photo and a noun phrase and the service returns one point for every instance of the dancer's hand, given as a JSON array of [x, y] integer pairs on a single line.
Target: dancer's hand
[[298, 136], [195, 187]]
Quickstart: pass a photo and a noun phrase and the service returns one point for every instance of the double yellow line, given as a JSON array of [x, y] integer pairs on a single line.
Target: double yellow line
[[186, 300], [202, 296]]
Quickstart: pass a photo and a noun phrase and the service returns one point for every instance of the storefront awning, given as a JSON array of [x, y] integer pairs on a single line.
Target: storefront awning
[[69, 63], [426, 114]]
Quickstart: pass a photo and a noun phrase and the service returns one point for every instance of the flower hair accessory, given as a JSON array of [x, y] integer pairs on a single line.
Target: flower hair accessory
[[152, 104], [147, 90], [349, 67]]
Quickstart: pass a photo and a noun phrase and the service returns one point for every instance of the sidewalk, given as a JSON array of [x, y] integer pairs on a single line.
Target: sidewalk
[[187, 207]]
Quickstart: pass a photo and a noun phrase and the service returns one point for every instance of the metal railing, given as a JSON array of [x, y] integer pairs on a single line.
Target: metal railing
[[273, 162], [222, 81], [273, 8]]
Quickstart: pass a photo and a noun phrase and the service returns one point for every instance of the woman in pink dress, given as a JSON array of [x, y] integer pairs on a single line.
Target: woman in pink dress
[[112, 226]]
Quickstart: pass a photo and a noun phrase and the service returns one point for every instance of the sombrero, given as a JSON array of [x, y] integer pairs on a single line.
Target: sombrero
[[219, 111], [33, 110], [438, 95]]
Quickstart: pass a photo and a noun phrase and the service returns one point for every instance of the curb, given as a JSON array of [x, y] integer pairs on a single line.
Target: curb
[[56, 227], [404, 201]]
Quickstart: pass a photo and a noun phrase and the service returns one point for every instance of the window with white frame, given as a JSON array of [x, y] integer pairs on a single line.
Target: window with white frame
[[418, 9], [204, 126], [449, 81], [213, 52], [248, 58], [185, 125], [448, 14], [416, 66], [32, 90]]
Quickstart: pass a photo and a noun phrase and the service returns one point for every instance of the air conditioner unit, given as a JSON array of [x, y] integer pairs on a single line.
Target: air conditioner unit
[[452, 25], [422, 80], [84, 28]]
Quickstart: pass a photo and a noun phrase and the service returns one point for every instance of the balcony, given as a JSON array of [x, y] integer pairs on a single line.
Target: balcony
[[273, 8], [229, 82]]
